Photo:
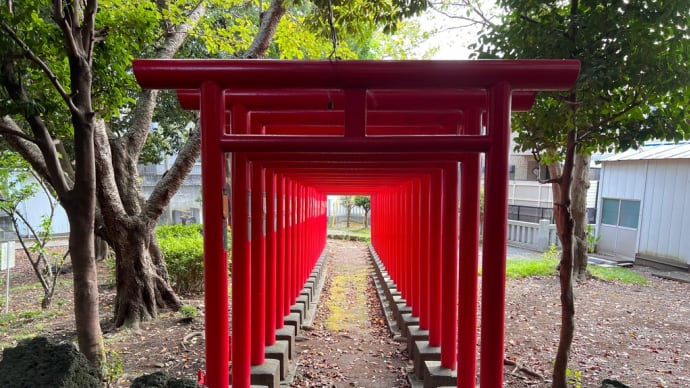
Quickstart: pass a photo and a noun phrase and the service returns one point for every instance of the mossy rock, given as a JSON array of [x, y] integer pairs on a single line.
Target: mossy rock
[[162, 380], [38, 362]]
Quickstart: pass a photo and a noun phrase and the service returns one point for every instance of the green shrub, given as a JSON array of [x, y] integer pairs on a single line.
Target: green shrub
[[183, 249], [174, 231], [189, 311]]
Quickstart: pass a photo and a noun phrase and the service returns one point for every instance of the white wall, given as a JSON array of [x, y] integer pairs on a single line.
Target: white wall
[[665, 226], [620, 181], [533, 193], [663, 187]]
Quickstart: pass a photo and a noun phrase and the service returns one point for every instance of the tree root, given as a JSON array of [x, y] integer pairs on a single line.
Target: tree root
[[519, 368], [189, 337]]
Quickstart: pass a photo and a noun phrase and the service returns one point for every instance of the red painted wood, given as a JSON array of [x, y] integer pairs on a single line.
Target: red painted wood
[[258, 265], [495, 231], [386, 129], [215, 257]]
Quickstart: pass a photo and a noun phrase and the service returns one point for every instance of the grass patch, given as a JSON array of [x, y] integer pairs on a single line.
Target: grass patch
[[346, 298], [617, 274], [24, 318], [355, 230], [517, 269]]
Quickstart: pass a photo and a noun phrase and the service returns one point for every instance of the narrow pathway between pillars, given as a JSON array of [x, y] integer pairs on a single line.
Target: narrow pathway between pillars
[[348, 344]]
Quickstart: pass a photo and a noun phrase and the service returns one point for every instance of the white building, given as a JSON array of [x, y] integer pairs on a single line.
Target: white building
[[644, 205], [185, 205]]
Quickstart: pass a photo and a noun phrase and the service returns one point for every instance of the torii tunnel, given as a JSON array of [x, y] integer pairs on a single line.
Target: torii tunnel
[[407, 133]]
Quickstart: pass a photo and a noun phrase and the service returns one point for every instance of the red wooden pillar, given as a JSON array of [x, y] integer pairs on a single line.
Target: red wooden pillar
[[258, 268], [295, 244], [424, 254], [403, 241], [289, 242], [281, 264], [258, 255], [271, 259], [435, 290], [469, 257], [495, 237], [241, 274], [449, 267], [415, 208], [215, 249], [302, 239]]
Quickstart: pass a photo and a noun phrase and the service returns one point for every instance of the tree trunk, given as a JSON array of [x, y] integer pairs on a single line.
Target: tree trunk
[[129, 222], [366, 218], [565, 224], [86, 312], [141, 277], [101, 247], [579, 210], [80, 206]]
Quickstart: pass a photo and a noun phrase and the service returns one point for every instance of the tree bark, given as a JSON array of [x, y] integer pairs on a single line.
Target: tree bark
[[565, 224], [579, 210], [141, 276], [86, 311], [268, 23]]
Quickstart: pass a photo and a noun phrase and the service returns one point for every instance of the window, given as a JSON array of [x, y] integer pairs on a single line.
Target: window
[[609, 212], [620, 212], [630, 213]]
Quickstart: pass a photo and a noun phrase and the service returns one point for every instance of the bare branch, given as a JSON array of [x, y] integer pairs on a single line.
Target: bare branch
[[636, 102], [6, 130], [42, 65], [31, 152], [146, 102], [89, 26], [42, 137], [552, 180], [482, 19], [536, 156], [267, 29], [168, 185]]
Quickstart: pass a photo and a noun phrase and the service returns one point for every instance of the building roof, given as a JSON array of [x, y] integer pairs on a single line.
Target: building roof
[[653, 152]]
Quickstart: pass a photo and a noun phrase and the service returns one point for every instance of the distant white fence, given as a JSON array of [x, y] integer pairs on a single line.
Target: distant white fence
[[538, 237]]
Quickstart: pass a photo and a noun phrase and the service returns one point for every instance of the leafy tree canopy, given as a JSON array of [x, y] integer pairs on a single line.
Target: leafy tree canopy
[[363, 201], [635, 74], [226, 31]]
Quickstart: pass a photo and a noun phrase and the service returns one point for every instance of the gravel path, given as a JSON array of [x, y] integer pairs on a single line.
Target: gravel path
[[349, 344]]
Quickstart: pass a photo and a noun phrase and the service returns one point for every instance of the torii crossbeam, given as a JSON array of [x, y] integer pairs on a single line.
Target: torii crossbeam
[[288, 119]]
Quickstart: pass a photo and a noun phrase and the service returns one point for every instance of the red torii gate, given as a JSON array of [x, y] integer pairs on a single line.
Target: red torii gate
[[274, 104]]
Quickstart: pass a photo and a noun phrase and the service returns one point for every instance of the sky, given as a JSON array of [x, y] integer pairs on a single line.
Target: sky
[[453, 43]]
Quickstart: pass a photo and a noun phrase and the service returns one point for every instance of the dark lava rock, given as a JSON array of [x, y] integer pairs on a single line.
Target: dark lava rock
[[163, 380], [39, 363], [608, 383]]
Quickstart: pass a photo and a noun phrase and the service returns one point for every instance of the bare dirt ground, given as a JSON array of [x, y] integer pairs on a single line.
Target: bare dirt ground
[[638, 334]]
